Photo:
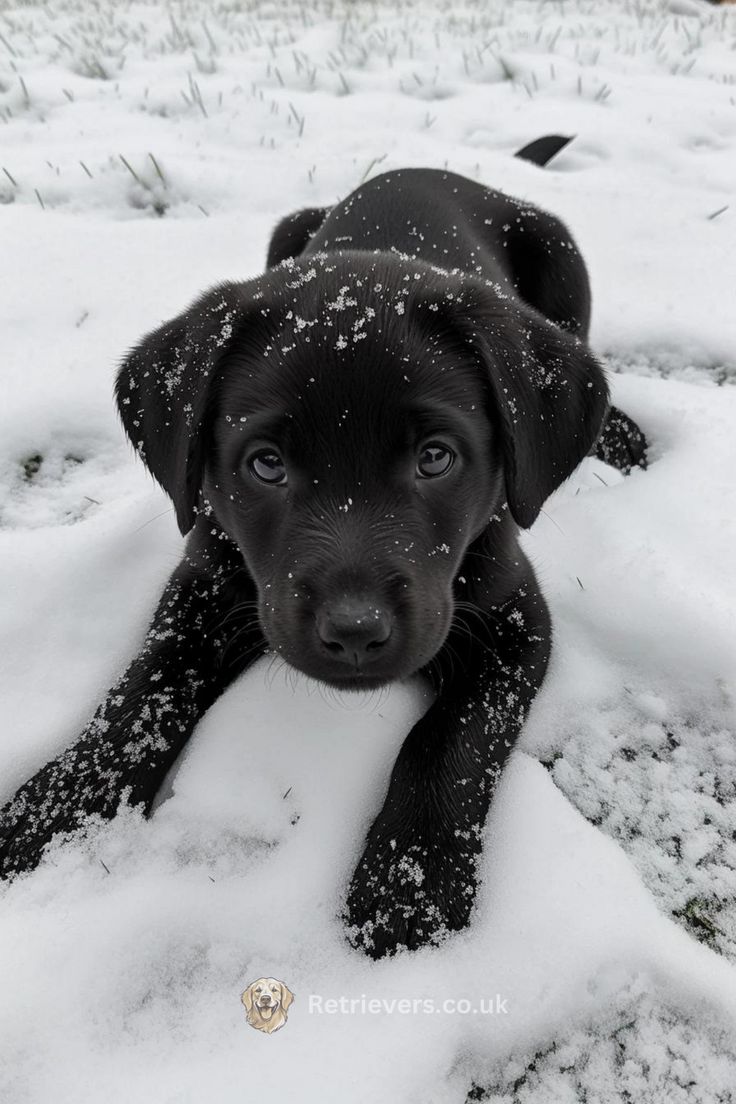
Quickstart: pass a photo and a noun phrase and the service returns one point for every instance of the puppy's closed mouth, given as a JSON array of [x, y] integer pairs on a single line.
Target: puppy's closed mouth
[[358, 682], [348, 679]]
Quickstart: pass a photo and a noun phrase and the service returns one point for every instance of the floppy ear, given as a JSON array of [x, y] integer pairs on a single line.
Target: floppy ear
[[549, 391], [247, 997], [287, 997], [291, 235], [163, 387]]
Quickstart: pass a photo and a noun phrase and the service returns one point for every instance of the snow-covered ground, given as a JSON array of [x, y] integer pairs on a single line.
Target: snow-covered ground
[[145, 152]]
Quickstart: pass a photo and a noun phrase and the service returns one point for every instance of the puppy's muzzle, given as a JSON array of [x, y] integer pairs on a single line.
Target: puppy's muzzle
[[353, 630]]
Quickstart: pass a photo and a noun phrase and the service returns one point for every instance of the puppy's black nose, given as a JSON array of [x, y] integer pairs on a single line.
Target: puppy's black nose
[[353, 629]]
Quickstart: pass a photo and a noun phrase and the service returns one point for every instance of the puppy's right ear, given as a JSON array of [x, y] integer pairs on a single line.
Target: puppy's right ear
[[163, 389], [247, 998]]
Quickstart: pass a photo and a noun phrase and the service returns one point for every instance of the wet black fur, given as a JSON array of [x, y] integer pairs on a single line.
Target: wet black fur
[[422, 306]]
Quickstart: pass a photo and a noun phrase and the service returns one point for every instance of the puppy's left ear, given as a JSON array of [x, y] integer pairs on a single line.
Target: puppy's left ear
[[287, 997], [548, 389], [164, 386]]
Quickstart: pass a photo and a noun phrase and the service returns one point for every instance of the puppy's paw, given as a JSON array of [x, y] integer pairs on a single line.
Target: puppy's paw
[[621, 443], [57, 800], [409, 892]]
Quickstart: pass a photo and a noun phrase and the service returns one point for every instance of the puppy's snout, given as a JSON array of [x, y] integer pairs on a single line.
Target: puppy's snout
[[353, 629]]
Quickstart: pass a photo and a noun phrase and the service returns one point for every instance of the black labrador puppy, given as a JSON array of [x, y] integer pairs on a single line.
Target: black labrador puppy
[[351, 441]]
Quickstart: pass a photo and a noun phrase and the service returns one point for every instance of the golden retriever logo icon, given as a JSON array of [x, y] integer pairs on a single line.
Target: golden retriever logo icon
[[267, 1002]]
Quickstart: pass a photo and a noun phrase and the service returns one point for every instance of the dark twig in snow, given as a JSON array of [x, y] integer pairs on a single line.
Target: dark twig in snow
[[130, 169]]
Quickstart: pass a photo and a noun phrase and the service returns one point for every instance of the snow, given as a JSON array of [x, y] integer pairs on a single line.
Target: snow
[[146, 153]]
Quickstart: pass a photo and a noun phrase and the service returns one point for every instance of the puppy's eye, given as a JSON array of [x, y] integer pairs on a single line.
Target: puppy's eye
[[267, 467], [434, 459]]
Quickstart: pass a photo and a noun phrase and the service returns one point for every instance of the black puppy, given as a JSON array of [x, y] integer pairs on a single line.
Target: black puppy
[[351, 441]]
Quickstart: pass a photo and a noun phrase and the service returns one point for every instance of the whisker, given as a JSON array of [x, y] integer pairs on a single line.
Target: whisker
[[154, 518]]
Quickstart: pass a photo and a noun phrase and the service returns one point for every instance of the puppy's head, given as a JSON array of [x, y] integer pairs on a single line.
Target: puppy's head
[[354, 421]]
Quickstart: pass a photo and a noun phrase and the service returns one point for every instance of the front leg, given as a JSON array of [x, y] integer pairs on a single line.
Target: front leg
[[416, 880], [204, 632]]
